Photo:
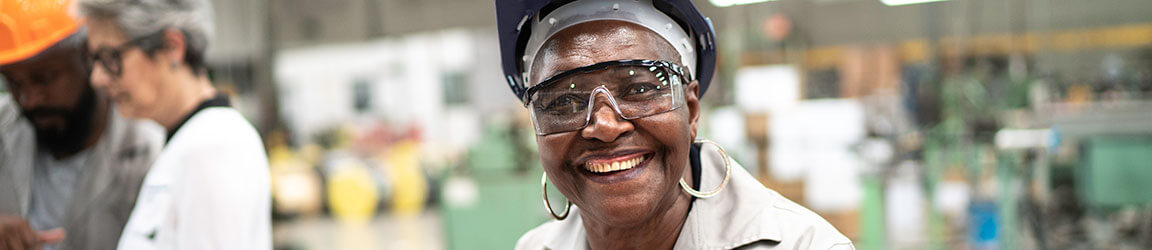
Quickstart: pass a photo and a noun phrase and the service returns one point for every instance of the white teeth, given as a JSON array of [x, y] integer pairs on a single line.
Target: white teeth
[[614, 166]]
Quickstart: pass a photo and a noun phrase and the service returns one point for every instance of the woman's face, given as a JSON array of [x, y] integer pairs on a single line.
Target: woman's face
[[660, 142], [138, 87]]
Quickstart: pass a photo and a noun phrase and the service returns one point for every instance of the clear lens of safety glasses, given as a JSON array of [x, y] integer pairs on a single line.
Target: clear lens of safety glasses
[[635, 89]]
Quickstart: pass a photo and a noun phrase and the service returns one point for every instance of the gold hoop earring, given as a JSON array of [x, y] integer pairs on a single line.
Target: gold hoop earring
[[547, 206], [727, 174]]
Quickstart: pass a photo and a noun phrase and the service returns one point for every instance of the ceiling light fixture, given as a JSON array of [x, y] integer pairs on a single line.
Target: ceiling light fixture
[[907, 2], [726, 3]]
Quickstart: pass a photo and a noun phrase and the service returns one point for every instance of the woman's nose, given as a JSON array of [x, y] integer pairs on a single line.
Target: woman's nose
[[605, 123], [100, 77]]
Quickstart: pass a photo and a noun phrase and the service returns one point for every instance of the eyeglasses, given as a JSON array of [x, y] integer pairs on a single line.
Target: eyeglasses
[[635, 89], [112, 58]]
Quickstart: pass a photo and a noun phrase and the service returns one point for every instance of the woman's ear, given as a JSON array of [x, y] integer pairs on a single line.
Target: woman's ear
[[175, 44], [692, 101]]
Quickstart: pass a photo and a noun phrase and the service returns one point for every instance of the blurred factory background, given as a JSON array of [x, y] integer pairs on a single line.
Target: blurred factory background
[[956, 124]]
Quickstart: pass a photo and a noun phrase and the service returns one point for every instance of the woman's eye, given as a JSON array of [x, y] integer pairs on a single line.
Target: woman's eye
[[564, 104], [640, 89], [103, 55]]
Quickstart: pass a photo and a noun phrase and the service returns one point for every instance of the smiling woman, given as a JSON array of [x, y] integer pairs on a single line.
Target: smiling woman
[[613, 89]]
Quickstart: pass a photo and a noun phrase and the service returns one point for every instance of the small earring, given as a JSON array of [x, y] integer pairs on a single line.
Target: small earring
[[547, 206], [173, 65]]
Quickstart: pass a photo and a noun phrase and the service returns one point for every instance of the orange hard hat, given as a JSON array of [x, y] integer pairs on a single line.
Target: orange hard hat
[[27, 27]]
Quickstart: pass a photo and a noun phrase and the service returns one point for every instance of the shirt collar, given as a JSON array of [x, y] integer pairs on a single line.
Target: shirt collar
[[219, 100], [568, 233], [709, 224]]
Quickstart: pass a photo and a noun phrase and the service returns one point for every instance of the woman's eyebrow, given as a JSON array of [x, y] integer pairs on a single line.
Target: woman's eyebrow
[[630, 72]]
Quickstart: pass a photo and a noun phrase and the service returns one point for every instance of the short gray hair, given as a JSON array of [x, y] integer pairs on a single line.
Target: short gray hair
[[141, 18]]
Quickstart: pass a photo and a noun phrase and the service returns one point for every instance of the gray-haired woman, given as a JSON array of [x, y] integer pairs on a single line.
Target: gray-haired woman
[[209, 188]]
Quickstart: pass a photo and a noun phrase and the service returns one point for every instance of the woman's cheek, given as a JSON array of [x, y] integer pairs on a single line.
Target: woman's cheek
[[552, 158]]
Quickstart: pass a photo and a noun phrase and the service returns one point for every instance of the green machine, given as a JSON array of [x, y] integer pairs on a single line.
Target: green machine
[[1114, 142], [1097, 186], [1116, 170], [502, 174]]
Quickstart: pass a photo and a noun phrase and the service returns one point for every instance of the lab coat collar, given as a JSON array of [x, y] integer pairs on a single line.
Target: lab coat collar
[[219, 100]]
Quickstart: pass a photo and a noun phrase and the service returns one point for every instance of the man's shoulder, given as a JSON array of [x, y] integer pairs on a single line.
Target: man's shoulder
[[13, 126], [15, 159], [9, 111]]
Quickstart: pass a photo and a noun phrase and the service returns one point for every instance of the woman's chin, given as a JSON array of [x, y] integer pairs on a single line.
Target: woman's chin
[[131, 113], [126, 109], [623, 210], [628, 202]]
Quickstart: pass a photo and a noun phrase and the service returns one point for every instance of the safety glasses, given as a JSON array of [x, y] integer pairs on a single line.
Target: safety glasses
[[112, 58], [634, 88]]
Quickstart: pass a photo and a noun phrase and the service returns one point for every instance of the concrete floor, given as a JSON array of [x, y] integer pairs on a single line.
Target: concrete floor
[[386, 231]]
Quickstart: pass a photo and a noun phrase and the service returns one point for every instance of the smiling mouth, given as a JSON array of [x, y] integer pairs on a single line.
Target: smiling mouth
[[616, 165]]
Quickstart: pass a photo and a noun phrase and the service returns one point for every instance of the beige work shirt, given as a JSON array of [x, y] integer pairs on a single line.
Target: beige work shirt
[[745, 215]]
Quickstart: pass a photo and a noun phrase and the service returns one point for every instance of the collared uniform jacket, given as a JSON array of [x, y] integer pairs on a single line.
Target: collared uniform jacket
[[745, 215], [108, 185]]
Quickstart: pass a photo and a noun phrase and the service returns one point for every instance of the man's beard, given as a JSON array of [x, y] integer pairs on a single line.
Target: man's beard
[[73, 135]]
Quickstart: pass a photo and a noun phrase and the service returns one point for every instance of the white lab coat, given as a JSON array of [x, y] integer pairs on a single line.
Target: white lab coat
[[209, 189]]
